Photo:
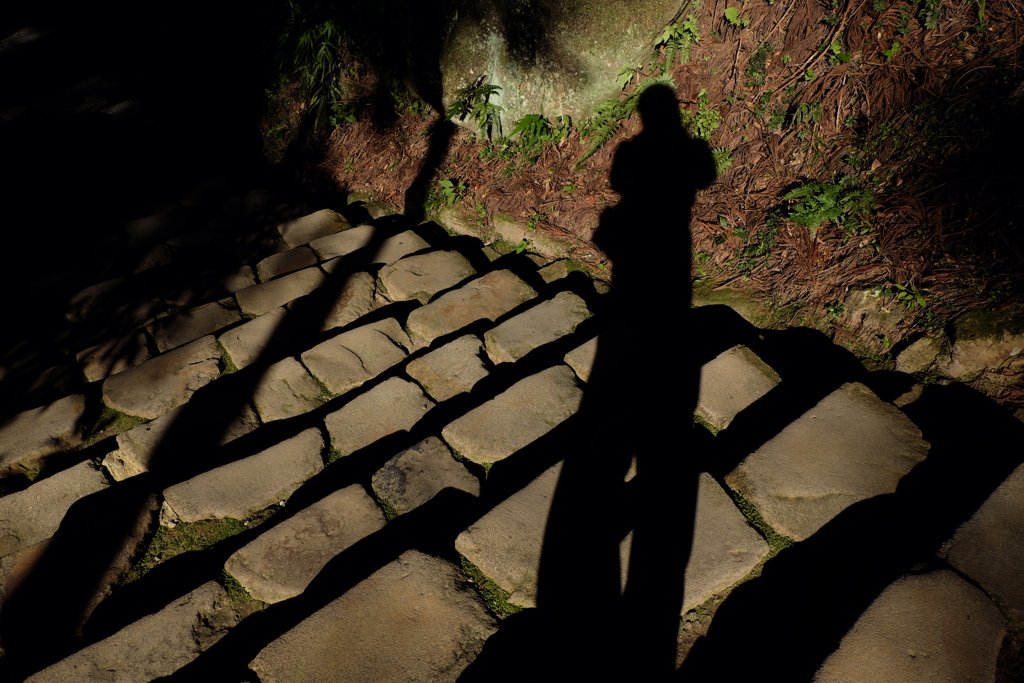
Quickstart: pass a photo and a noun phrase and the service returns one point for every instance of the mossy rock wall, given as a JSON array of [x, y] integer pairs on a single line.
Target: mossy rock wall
[[550, 57]]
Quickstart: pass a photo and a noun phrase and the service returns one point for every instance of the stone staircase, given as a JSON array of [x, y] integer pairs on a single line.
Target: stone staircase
[[292, 444]]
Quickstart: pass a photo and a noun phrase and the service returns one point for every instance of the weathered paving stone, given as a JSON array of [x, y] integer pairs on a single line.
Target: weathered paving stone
[[392, 406], [342, 243], [850, 447], [930, 627], [731, 382], [269, 295], [172, 332], [163, 383], [356, 298], [243, 487], [542, 324], [34, 514], [93, 298], [387, 252], [524, 412], [725, 548], [246, 342], [281, 562], [152, 647], [285, 262], [582, 358], [989, 547], [554, 271], [286, 390], [412, 620], [308, 228], [194, 290], [417, 474], [450, 370], [357, 356], [422, 276], [113, 356], [487, 297], [33, 434]]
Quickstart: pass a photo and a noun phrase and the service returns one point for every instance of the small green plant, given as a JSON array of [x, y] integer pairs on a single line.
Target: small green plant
[[481, 211], [472, 102], [705, 121], [723, 159], [838, 56], [757, 67], [891, 52], [677, 39], [733, 16], [609, 115], [534, 132], [535, 220], [451, 191], [810, 75], [523, 245], [815, 202], [908, 295], [835, 310]]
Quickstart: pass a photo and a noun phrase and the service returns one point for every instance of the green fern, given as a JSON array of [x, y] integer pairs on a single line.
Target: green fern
[[609, 115], [472, 101], [815, 202]]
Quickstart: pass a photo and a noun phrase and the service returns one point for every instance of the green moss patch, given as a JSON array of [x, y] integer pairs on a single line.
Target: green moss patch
[[494, 596]]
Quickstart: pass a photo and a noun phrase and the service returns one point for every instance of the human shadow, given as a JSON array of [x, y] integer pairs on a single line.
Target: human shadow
[[637, 407]]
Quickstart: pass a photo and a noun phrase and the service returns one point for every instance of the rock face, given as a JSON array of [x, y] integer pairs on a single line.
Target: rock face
[[417, 474], [409, 621], [550, 57]]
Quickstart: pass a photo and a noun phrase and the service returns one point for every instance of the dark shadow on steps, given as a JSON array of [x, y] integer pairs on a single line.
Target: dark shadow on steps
[[637, 404], [782, 626]]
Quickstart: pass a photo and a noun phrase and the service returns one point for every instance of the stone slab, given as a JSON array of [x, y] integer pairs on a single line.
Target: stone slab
[[33, 434], [730, 382], [243, 487], [524, 412], [163, 383], [849, 447], [929, 627], [542, 324], [989, 547], [357, 356], [196, 290], [392, 406], [417, 474], [422, 276], [246, 342], [269, 295], [308, 228], [112, 356], [725, 547], [282, 561], [582, 358], [152, 647], [554, 271], [450, 370], [286, 390], [412, 620], [34, 514], [173, 331], [388, 251], [342, 243], [285, 262], [488, 297], [358, 296]]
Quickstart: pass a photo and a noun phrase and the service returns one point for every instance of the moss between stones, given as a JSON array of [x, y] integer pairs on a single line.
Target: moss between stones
[[186, 537], [110, 422], [776, 541], [243, 603], [495, 597]]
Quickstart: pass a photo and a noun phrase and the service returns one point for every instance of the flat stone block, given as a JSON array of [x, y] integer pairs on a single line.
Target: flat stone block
[[417, 474], [282, 561], [34, 514], [929, 627], [730, 382], [172, 332], [246, 342], [286, 390], [450, 370], [850, 447], [725, 547], [524, 412], [285, 262], [399, 246], [210, 286], [152, 647], [412, 620], [113, 356], [356, 298], [342, 243], [554, 271], [422, 276], [542, 324], [241, 488], [269, 295], [394, 405], [39, 432], [357, 356], [487, 297], [581, 359], [163, 383], [989, 547], [87, 301], [308, 228]]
